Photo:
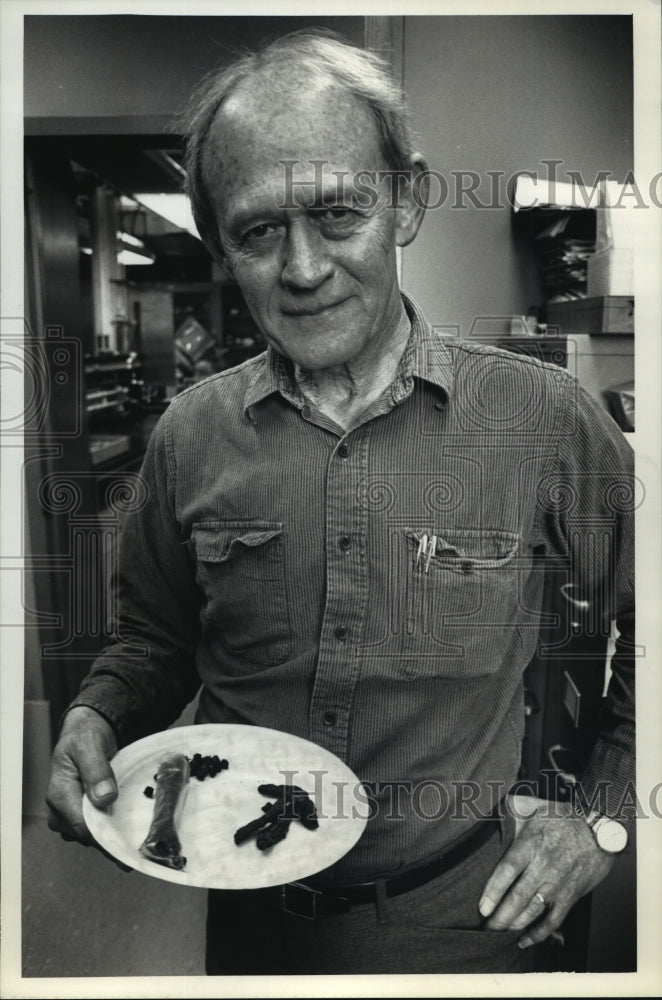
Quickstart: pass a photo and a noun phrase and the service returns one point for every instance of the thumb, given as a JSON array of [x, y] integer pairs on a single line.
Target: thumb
[[80, 762], [98, 781], [92, 746]]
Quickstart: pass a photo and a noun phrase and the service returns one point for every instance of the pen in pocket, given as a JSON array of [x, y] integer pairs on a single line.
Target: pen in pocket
[[427, 547]]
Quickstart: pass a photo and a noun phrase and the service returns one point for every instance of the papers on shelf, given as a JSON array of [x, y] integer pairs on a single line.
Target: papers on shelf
[[611, 199], [573, 266]]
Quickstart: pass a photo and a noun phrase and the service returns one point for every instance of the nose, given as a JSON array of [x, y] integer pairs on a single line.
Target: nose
[[306, 264]]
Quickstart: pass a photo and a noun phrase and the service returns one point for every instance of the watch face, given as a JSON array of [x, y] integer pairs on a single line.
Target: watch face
[[610, 835]]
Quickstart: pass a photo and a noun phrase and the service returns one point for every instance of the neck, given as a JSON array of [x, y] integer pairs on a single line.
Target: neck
[[345, 391]]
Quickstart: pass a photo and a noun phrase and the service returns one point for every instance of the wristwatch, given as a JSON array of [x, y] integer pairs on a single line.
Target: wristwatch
[[610, 835]]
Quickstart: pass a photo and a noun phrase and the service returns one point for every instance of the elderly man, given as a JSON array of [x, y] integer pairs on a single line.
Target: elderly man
[[345, 539]]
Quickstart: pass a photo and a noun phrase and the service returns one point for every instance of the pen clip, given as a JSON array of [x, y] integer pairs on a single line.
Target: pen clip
[[432, 548], [422, 548]]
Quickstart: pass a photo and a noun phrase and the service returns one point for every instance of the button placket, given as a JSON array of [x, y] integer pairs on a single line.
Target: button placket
[[337, 669]]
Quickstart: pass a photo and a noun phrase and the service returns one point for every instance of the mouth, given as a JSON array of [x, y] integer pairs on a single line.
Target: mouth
[[314, 309]]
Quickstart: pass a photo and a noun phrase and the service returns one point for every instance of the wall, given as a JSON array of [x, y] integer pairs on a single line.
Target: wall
[[488, 93], [502, 94], [131, 73], [113, 74]]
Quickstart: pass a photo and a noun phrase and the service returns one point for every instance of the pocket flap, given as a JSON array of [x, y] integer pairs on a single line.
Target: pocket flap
[[219, 542], [482, 547]]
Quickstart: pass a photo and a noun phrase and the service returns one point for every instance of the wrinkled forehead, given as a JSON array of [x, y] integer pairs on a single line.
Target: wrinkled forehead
[[314, 126]]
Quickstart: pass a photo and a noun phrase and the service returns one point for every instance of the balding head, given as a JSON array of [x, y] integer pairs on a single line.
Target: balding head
[[270, 83], [256, 123]]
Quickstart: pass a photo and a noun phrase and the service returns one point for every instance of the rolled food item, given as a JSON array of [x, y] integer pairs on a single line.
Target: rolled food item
[[162, 842]]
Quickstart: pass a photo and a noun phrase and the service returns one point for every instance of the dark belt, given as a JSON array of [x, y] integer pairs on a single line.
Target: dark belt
[[313, 897]]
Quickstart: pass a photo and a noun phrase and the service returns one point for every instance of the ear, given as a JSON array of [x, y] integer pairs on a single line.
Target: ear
[[412, 201]]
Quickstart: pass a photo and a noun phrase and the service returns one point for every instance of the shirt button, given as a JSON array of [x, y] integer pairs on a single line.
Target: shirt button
[[345, 542], [343, 450], [340, 633], [305, 412], [329, 718], [467, 566]]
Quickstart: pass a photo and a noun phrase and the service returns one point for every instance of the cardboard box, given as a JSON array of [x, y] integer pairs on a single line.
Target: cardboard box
[[610, 269], [610, 272], [598, 315], [615, 217]]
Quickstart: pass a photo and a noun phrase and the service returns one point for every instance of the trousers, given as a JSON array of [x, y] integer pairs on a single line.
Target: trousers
[[435, 928]]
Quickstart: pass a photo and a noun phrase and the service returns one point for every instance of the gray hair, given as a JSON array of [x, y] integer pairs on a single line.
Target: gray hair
[[328, 59]]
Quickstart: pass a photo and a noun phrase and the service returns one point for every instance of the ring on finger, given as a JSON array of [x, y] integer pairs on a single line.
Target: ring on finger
[[539, 896]]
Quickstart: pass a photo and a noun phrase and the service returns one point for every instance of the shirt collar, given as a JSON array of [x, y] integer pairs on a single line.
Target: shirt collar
[[426, 356], [272, 374]]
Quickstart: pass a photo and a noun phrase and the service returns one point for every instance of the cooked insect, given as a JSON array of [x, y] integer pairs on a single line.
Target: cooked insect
[[206, 767], [272, 826], [162, 841], [272, 834], [296, 803]]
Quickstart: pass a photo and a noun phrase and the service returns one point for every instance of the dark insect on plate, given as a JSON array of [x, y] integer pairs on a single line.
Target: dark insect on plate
[[162, 842], [272, 826], [207, 766]]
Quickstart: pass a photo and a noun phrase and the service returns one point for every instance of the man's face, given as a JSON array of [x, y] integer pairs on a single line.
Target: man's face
[[316, 266]]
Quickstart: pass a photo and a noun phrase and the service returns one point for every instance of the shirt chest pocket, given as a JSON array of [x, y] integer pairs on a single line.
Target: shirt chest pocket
[[241, 571], [464, 550], [464, 589]]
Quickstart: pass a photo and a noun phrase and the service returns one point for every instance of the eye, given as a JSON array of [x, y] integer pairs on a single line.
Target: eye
[[334, 213], [262, 233], [337, 221]]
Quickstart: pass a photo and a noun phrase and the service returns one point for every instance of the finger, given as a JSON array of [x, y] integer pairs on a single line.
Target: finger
[[98, 780], [536, 907], [53, 820], [56, 824], [520, 905], [86, 745], [65, 802], [512, 864], [547, 927], [84, 768], [72, 829]]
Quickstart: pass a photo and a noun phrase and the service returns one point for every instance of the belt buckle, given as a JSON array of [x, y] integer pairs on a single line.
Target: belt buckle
[[299, 899]]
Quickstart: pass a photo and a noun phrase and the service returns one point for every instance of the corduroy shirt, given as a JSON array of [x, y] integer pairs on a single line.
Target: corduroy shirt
[[288, 567]]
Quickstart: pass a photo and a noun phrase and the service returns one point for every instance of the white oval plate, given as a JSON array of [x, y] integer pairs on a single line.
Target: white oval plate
[[211, 810]]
